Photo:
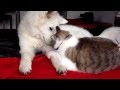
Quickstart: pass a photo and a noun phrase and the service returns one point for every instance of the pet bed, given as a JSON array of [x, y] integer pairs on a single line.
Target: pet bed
[[43, 69]]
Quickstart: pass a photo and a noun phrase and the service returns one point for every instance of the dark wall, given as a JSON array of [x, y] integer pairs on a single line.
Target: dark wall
[[63, 13]]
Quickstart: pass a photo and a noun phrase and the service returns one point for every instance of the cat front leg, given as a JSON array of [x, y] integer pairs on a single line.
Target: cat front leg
[[55, 59], [62, 70], [56, 62]]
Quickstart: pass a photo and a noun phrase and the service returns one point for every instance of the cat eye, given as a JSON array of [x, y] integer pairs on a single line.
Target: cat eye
[[50, 28]]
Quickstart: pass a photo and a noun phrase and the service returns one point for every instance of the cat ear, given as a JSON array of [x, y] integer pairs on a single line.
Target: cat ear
[[69, 36]]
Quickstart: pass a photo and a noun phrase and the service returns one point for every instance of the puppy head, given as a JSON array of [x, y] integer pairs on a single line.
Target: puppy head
[[53, 14], [51, 20]]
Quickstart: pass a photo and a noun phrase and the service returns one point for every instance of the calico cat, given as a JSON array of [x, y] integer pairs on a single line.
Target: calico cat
[[89, 54]]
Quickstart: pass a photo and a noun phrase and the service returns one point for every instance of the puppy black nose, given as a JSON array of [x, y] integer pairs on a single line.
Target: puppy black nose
[[57, 28]]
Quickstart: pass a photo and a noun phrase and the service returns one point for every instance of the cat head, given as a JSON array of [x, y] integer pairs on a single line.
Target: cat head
[[60, 37]]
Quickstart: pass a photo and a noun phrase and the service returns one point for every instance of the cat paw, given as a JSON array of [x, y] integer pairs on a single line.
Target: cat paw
[[50, 54], [62, 70]]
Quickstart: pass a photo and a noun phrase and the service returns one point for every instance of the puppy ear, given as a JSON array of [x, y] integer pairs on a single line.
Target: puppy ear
[[49, 13], [63, 20]]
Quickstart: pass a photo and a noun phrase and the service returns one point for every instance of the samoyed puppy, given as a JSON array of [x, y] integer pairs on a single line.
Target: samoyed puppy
[[75, 30], [34, 32], [112, 33]]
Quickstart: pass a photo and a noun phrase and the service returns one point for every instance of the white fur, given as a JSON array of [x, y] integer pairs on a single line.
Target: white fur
[[112, 33], [62, 64], [71, 42], [56, 61], [77, 31], [34, 34]]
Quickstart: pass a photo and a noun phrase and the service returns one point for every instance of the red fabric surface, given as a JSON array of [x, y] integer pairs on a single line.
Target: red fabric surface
[[43, 69]]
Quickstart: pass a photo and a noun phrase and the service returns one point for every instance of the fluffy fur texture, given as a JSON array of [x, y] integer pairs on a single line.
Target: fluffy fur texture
[[34, 32], [112, 33], [77, 31], [90, 55]]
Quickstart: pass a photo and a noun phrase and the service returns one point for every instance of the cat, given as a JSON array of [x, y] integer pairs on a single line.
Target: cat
[[88, 54]]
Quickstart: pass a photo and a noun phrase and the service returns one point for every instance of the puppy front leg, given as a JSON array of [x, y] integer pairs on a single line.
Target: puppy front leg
[[25, 66]]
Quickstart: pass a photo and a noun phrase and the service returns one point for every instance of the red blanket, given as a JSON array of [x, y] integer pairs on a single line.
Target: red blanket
[[43, 69]]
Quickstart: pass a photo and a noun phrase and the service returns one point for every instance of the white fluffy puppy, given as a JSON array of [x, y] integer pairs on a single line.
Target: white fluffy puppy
[[34, 32], [77, 31]]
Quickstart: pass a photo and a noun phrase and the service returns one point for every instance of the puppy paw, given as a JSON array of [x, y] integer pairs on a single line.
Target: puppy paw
[[25, 67], [62, 70]]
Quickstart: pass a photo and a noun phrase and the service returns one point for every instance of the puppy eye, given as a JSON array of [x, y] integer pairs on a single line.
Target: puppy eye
[[50, 28]]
